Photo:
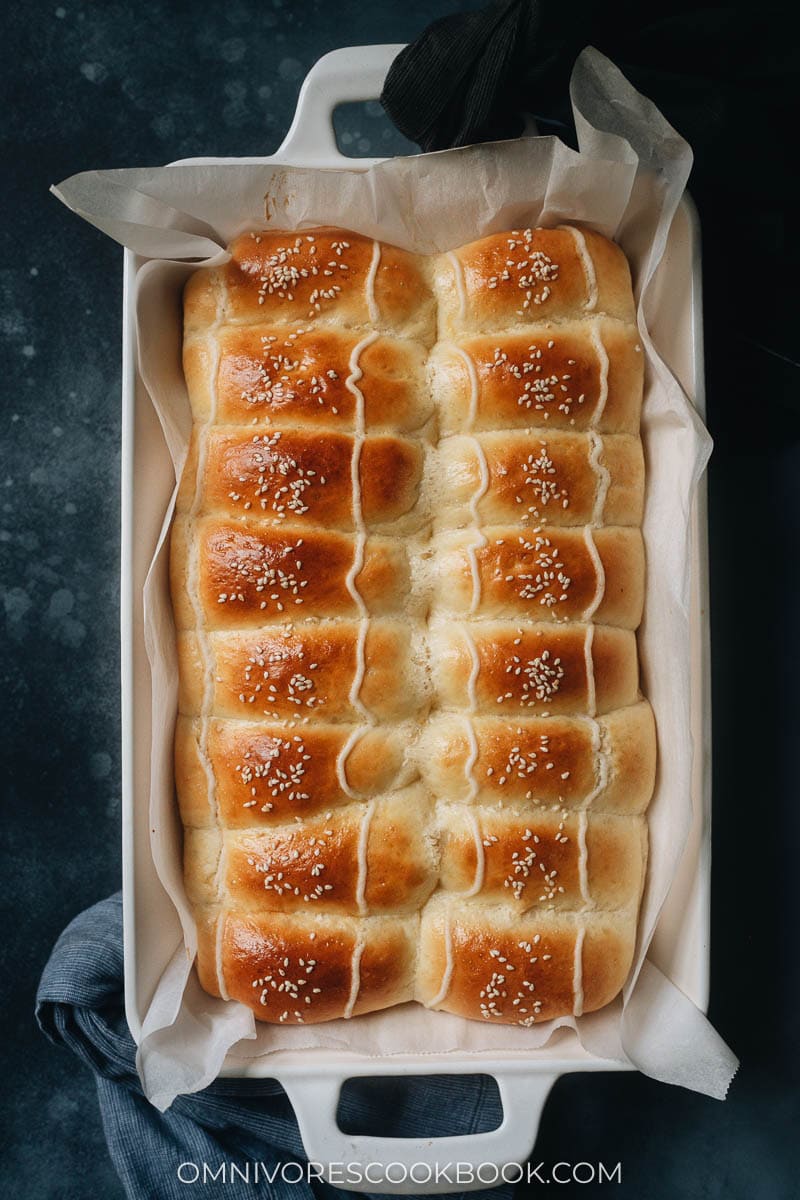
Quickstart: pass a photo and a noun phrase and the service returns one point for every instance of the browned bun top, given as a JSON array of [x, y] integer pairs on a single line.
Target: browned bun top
[[550, 859], [360, 859], [306, 672], [320, 275], [267, 773], [537, 478], [297, 377], [535, 669], [571, 375], [253, 574], [294, 971], [525, 276], [489, 963], [299, 477], [544, 574], [576, 762]]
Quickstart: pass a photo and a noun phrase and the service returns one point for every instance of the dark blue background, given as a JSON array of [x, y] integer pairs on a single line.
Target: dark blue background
[[113, 85]]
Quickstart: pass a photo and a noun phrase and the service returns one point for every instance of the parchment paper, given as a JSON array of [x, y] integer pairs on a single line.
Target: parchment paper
[[625, 182]]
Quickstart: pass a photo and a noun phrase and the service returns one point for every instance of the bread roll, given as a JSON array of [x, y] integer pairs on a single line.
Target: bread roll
[[328, 670], [412, 758], [489, 963], [573, 375], [296, 378], [529, 479], [246, 574], [298, 969], [319, 276], [267, 774], [542, 574], [554, 858], [299, 477], [533, 670], [526, 276], [363, 859], [603, 764]]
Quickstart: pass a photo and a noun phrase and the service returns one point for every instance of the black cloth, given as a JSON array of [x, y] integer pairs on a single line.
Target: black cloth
[[724, 75]]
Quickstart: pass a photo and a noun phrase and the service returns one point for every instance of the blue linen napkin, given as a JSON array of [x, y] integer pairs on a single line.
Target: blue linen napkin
[[234, 1122]]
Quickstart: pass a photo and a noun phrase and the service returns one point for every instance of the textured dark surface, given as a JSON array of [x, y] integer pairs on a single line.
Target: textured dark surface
[[119, 85]]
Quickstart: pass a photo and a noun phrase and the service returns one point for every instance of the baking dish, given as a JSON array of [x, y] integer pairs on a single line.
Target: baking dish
[[152, 931]]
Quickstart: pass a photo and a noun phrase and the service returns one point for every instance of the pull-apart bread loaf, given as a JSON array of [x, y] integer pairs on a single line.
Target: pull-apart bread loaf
[[412, 756]]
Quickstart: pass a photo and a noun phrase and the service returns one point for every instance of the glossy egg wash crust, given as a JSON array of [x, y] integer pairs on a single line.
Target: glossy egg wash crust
[[412, 756]]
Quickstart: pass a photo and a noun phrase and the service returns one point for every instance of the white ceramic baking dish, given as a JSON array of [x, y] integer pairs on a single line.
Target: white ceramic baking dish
[[680, 947]]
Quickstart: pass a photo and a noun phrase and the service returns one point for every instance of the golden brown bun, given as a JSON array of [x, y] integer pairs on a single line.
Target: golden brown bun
[[291, 969], [608, 763], [534, 670], [252, 574], [538, 861], [572, 376], [524, 276], [363, 859], [320, 275], [305, 673], [543, 574], [298, 478], [537, 478], [520, 970], [298, 378], [269, 774]]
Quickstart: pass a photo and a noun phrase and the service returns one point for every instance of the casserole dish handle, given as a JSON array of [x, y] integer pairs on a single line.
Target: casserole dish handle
[[340, 77], [419, 1166]]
